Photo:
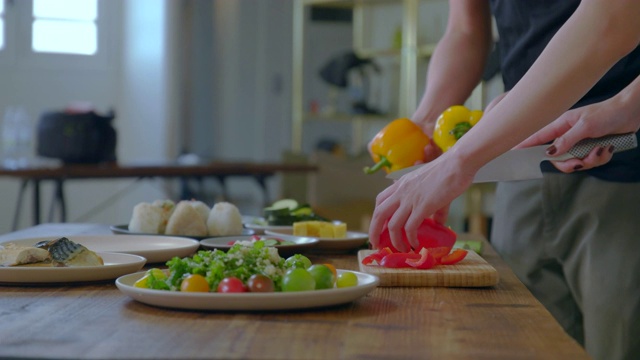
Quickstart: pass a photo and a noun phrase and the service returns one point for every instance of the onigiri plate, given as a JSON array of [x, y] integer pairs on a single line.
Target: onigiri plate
[[124, 230]]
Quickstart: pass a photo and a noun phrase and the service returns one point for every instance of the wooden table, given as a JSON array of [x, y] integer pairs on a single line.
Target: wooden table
[[98, 321], [260, 172]]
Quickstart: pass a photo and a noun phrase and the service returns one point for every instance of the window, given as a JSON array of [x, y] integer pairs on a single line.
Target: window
[[65, 26], [1, 24]]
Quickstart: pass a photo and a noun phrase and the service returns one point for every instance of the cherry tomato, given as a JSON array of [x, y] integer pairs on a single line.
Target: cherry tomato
[[231, 285], [194, 283], [298, 279], [260, 283], [157, 274], [322, 275], [347, 279]]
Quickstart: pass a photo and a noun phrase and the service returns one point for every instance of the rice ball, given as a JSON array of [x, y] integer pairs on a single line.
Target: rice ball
[[146, 218], [224, 220], [166, 209], [186, 220]]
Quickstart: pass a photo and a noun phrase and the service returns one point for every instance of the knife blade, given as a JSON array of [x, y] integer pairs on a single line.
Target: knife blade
[[524, 164]]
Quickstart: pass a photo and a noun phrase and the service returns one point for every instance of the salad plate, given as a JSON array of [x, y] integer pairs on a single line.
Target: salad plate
[[154, 248], [124, 230], [115, 265], [353, 240], [286, 247], [259, 224], [247, 301]]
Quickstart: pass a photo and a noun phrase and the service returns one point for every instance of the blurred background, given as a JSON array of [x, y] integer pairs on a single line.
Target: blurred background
[[240, 80]]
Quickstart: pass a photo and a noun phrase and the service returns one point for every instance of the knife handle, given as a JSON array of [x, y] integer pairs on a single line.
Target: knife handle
[[621, 142]]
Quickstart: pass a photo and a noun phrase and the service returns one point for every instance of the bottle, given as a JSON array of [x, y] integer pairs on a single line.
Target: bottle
[[9, 139], [24, 148], [17, 138]]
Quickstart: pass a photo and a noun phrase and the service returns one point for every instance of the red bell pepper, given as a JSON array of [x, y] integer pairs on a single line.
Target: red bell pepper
[[426, 260], [430, 235], [454, 257], [376, 256], [398, 260]]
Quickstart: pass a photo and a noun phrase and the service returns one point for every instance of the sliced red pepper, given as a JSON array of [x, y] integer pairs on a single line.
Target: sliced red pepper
[[430, 235], [376, 256], [426, 260], [439, 252], [398, 260], [454, 257]]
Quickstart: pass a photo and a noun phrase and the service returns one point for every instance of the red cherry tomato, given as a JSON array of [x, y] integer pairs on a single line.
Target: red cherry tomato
[[260, 283], [231, 285]]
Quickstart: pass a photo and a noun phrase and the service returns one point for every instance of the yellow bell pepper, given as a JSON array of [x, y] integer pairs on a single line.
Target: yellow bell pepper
[[452, 124], [398, 145]]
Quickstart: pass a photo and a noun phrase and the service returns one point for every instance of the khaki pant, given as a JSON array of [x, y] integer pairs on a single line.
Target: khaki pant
[[574, 241]]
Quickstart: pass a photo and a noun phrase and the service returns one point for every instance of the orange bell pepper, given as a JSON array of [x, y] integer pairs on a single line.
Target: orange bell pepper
[[398, 145]]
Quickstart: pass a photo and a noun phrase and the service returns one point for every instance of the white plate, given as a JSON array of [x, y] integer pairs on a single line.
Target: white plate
[[124, 229], [115, 265], [258, 224], [354, 240], [248, 301], [154, 248], [224, 243]]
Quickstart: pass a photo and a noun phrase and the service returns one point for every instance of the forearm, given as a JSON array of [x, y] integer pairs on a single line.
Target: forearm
[[629, 98], [457, 63], [597, 35]]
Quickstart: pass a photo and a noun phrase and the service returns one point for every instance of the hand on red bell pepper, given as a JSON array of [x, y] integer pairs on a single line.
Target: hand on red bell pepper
[[430, 235], [398, 145]]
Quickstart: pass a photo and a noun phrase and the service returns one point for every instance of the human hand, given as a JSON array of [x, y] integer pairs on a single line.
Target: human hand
[[417, 196], [591, 121]]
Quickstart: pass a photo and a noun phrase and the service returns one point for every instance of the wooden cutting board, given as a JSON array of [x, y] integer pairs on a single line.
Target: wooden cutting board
[[473, 271]]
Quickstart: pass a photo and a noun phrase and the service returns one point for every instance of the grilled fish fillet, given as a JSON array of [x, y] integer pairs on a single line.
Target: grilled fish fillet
[[65, 252], [12, 255]]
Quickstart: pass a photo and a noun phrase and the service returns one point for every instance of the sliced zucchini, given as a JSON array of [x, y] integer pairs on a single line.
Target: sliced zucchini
[[276, 212], [303, 210], [285, 203]]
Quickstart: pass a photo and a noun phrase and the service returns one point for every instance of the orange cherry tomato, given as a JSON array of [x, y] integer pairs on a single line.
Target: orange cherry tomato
[[194, 283], [333, 270]]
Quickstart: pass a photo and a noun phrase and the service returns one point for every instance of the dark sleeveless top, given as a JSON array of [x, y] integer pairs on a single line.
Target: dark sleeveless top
[[525, 27]]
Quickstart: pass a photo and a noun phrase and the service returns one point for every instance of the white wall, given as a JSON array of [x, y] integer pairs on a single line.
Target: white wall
[[135, 78]]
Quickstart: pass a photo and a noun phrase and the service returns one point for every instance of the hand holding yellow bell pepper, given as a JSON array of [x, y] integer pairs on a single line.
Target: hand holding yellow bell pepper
[[452, 124], [398, 145]]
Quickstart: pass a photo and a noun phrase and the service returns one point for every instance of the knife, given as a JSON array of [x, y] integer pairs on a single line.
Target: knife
[[524, 164]]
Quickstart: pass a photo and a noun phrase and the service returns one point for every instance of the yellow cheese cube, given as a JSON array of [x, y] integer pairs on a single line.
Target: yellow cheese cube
[[300, 228], [321, 229]]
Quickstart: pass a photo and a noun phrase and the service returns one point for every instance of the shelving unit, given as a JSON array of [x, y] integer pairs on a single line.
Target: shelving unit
[[409, 54]]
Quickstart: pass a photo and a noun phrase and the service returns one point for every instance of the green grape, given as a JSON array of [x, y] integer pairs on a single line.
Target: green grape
[[297, 261], [322, 275], [298, 279], [347, 279]]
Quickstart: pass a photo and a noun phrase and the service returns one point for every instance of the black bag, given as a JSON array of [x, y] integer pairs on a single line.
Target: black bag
[[77, 138]]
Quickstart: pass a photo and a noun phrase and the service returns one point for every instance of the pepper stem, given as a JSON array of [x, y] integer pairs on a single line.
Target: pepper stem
[[384, 162], [460, 129]]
